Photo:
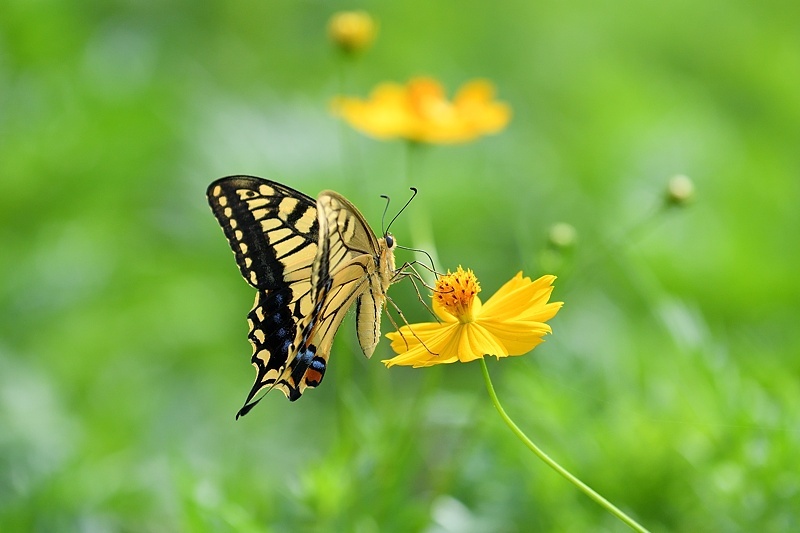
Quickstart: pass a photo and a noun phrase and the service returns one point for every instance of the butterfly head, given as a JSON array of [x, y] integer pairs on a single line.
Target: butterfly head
[[388, 238]]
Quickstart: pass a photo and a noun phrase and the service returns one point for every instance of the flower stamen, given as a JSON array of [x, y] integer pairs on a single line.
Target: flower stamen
[[455, 293]]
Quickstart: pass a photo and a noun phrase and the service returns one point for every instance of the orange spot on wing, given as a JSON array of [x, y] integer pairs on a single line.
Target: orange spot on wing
[[313, 377]]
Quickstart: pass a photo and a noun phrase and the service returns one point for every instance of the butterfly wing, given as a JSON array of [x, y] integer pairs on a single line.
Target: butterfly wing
[[348, 255], [360, 259], [348, 262], [273, 231]]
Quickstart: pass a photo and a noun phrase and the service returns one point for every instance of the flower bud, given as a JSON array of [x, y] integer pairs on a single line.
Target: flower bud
[[352, 31], [562, 235], [680, 190]]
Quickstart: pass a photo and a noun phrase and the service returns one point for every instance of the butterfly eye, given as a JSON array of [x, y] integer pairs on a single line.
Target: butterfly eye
[[389, 240]]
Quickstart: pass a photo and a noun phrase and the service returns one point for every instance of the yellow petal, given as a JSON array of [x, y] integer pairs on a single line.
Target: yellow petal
[[409, 337], [510, 286], [426, 89], [421, 111], [480, 114], [475, 92], [518, 337], [515, 315], [544, 313], [519, 298], [481, 342], [421, 343], [389, 94], [384, 115], [437, 360], [493, 118], [449, 343]]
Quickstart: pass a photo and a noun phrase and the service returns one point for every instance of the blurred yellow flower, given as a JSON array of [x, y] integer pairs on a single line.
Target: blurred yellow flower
[[511, 322], [420, 111], [352, 31]]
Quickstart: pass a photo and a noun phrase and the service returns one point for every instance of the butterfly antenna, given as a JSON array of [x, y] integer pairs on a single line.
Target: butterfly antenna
[[414, 189], [383, 217]]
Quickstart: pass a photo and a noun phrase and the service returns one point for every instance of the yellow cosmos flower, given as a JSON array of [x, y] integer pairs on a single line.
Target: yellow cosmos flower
[[420, 111], [511, 322], [352, 31]]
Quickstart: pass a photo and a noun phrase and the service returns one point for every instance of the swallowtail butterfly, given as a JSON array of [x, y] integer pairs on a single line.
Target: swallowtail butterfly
[[309, 260]]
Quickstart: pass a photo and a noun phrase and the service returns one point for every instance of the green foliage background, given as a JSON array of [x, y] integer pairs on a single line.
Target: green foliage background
[[670, 384]]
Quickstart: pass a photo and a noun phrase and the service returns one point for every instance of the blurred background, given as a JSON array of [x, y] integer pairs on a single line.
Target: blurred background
[[669, 385]]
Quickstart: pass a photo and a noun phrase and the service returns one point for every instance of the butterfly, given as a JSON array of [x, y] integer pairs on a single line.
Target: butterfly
[[309, 261]]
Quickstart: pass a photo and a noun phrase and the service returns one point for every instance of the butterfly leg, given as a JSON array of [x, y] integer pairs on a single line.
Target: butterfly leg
[[405, 321], [409, 269], [414, 277]]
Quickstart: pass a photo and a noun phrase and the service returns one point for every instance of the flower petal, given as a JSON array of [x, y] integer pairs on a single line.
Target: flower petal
[[503, 292], [481, 114], [544, 313], [384, 115], [422, 343], [475, 92], [420, 111], [407, 338], [518, 337], [481, 342], [521, 298]]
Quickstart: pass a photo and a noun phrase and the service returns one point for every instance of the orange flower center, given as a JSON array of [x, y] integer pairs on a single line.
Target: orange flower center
[[456, 293]]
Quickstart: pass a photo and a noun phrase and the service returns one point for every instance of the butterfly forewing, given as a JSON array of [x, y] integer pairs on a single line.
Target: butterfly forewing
[[271, 228]]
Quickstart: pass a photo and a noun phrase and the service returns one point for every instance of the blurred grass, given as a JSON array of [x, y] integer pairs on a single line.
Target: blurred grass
[[669, 384]]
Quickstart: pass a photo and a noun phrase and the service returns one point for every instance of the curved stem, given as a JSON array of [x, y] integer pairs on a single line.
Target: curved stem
[[610, 507]]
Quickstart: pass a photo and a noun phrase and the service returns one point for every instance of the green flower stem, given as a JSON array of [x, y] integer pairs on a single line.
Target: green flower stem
[[420, 224], [610, 507]]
